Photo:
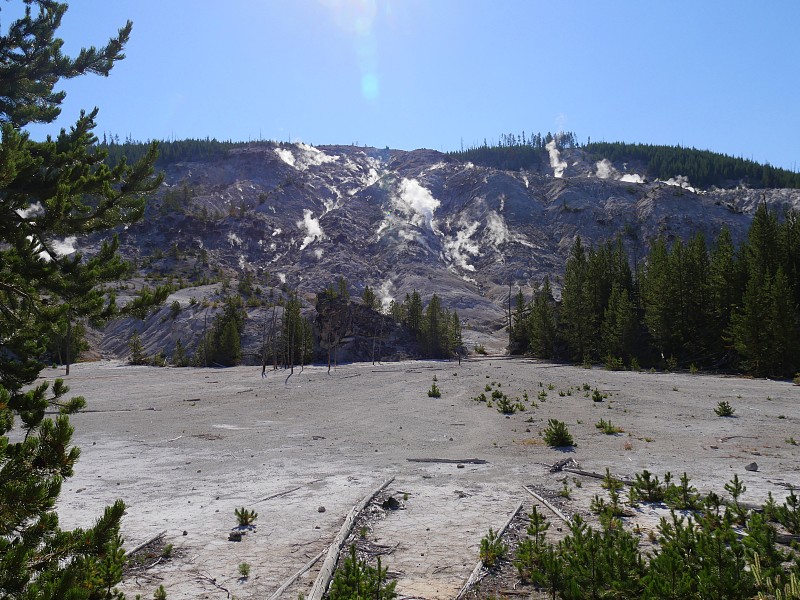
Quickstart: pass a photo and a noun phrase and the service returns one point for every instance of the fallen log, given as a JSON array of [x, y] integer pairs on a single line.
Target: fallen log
[[326, 572], [471, 461], [538, 498], [146, 543], [277, 593], [478, 573]]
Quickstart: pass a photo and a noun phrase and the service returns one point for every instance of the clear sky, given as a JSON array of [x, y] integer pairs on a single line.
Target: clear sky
[[716, 74]]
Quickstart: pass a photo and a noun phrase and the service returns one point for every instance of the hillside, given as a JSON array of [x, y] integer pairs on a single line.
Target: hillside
[[297, 216]]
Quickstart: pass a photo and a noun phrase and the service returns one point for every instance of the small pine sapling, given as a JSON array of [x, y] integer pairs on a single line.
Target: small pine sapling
[[245, 517], [492, 549]]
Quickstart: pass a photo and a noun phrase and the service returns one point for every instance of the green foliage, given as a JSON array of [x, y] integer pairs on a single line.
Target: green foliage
[[608, 428], [557, 435], [245, 517], [357, 580], [370, 299], [434, 392], [492, 549], [648, 487], [244, 570], [598, 396], [50, 191], [221, 345], [703, 167], [160, 593], [480, 349], [528, 558], [724, 409]]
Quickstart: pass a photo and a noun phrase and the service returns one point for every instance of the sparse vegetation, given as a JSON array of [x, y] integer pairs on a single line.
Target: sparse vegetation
[[608, 428], [492, 549], [244, 570], [557, 434], [357, 579], [724, 409], [434, 392], [245, 517]]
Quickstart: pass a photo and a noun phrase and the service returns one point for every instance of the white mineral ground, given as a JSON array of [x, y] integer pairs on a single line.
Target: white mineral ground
[[185, 447]]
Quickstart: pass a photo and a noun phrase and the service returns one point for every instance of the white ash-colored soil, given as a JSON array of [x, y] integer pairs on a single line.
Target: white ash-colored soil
[[185, 447]]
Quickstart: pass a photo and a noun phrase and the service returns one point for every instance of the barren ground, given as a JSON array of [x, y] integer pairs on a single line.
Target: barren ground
[[185, 447]]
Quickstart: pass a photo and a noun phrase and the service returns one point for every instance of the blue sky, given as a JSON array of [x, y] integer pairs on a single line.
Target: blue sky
[[408, 74]]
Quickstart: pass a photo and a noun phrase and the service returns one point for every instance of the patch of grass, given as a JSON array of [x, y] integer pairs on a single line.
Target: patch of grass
[[608, 428]]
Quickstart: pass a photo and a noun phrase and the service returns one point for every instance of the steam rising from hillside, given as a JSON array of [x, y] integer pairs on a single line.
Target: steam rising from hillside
[[312, 227], [558, 165], [416, 202]]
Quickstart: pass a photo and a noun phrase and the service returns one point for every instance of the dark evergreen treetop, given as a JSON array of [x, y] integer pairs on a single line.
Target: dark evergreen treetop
[[52, 192]]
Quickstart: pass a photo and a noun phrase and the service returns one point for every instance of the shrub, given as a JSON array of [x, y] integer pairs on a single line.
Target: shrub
[[557, 434], [244, 517], [724, 409], [479, 349], [505, 406], [434, 392], [598, 396], [493, 550], [244, 570], [607, 427], [357, 579]]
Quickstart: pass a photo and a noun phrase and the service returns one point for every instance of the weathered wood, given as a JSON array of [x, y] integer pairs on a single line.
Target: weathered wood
[[145, 543], [277, 593], [557, 512], [477, 573], [471, 461], [279, 494], [594, 475], [326, 571]]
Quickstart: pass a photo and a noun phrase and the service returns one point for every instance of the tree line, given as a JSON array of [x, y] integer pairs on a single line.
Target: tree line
[[685, 305], [703, 167], [515, 152]]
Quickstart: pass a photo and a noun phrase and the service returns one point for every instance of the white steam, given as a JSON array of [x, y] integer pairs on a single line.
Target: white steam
[[681, 181], [33, 210], [304, 156], [462, 247], [65, 246], [632, 178], [605, 170], [496, 229], [311, 226], [386, 294], [416, 202], [556, 163]]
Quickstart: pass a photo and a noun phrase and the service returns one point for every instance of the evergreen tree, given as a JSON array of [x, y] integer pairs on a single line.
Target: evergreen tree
[[577, 315], [541, 322], [370, 299], [620, 326], [413, 312], [52, 191]]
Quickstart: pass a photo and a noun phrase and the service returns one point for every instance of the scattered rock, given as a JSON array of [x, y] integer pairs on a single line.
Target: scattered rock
[[235, 536], [751, 467], [321, 509], [391, 503], [185, 532], [459, 466]]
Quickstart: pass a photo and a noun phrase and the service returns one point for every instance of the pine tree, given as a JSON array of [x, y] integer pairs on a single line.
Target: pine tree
[[51, 191], [577, 315], [541, 323]]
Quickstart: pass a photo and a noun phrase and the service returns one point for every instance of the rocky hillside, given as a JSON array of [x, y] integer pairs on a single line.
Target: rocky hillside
[[301, 216]]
